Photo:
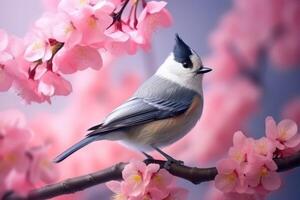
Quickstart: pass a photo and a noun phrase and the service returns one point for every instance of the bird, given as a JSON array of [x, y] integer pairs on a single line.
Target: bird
[[160, 112]]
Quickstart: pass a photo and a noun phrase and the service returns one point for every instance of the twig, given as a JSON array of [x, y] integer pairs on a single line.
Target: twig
[[192, 174]]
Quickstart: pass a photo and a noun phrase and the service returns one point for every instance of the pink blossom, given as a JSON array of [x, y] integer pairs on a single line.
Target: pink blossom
[[17, 182], [264, 147], [28, 90], [21, 167], [65, 32], [59, 27], [162, 179], [284, 135], [41, 168], [38, 48], [52, 84], [14, 138], [262, 171], [120, 42], [43, 27], [93, 21], [137, 176], [5, 78], [228, 178], [153, 16], [77, 58], [241, 147], [143, 181]]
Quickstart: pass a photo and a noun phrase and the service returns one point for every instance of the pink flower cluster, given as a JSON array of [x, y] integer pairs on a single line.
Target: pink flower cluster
[[22, 167], [74, 37], [250, 168], [148, 182]]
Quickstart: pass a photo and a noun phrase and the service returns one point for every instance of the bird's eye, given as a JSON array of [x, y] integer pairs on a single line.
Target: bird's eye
[[185, 65]]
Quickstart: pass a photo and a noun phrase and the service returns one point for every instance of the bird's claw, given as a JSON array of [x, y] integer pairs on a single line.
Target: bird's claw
[[172, 161]]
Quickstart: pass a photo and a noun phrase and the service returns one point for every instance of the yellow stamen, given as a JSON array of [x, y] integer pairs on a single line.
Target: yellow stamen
[[231, 177], [10, 158], [282, 135], [264, 171], [37, 45], [69, 29], [92, 21], [83, 2], [118, 197], [261, 148], [158, 179], [238, 156], [147, 197], [137, 178]]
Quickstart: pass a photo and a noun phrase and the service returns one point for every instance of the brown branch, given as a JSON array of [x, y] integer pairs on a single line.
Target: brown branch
[[192, 174]]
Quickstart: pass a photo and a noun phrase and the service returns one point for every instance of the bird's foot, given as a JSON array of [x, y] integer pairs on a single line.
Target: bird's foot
[[149, 158], [170, 160]]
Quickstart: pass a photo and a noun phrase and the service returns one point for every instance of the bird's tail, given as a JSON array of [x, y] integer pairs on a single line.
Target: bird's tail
[[74, 148]]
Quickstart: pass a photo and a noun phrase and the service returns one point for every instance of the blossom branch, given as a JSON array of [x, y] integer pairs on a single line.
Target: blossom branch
[[192, 174]]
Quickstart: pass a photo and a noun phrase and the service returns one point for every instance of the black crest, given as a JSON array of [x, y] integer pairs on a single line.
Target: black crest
[[182, 52]]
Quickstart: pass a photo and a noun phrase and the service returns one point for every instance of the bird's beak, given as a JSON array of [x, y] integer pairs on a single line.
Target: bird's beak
[[203, 70]]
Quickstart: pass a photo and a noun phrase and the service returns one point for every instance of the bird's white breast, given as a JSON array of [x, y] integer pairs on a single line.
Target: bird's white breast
[[164, 132]]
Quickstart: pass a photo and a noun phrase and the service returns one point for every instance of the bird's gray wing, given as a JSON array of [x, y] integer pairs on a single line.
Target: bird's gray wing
[[140, 110]]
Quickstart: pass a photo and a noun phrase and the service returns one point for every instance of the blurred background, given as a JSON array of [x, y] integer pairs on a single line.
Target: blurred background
[[254, 49]]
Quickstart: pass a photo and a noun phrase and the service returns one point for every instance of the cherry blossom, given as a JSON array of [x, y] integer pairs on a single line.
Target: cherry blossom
[[153, 16], [93, 21], [73, 36], [38, 48], [261, 172], [6, 79], [143, 181], [53, 84], [264, 147], [241, 147], [227, 179], [284, 135], [250, 168], [41, 168], [22, 167], [13, 139], [77, 58]]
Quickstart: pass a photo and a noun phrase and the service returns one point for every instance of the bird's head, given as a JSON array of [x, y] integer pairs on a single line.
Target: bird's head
[[183, 66]]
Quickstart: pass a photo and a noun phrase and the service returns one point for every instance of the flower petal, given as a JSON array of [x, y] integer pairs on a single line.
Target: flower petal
[[293, 142], [271, 181], [287, 129], [77, 58], [271, 128]]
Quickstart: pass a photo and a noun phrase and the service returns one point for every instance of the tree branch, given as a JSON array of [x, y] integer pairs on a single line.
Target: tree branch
[[192, 174]]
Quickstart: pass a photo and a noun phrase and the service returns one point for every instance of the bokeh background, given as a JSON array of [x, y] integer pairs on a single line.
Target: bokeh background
[[196, 21]]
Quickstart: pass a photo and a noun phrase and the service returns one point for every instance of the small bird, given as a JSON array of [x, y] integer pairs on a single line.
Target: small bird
[[162, 110]]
